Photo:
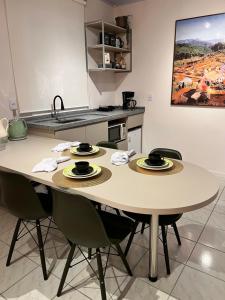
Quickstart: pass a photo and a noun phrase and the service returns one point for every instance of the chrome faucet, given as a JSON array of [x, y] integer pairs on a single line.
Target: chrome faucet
[[54, 112]]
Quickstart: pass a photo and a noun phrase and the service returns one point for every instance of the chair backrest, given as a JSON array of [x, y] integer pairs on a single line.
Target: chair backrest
[[107, 144], [19, 197], [78, 219], [170, 153]]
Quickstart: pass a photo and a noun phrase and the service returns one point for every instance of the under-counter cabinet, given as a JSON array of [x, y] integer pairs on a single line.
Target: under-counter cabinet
[[135, 139], [91, 134], [97, 132], [73, 134]]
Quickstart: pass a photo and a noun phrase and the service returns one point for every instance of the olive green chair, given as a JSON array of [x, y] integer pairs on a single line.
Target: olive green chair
[[22, 201], [164, 220], [110, 145], [84, 226]]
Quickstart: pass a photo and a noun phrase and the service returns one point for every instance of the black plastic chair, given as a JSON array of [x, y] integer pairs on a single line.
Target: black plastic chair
[[84, 226], [106, 144], [21, 200], [164, 220]]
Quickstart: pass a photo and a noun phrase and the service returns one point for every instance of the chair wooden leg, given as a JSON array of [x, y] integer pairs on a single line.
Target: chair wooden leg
[[66, 269], [131, 238], [120, 252], [41, 249], [101, 276], [89, 253], [143, 228], [14, 239], [176, 233], [164, 239]]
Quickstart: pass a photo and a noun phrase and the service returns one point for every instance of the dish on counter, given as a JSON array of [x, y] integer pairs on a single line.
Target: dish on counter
[[69, 172], [76, 151], [142, 164]]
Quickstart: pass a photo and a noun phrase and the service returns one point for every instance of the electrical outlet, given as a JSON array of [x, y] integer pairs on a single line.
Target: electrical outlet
[[13, 104], [149, 97]]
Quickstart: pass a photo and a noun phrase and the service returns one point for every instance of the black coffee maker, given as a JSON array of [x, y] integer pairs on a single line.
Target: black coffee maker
[[128, 101]]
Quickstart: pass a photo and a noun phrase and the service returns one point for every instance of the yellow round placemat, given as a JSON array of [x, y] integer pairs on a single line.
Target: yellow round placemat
[[176, 168], [101, 152], [60, 180]]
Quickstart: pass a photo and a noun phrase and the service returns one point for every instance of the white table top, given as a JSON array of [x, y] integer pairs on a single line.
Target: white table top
[[190, 189]]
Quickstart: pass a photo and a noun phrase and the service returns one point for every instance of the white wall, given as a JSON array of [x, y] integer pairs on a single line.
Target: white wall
[[43, 66], [48, 51], [197, 132], [101, 85], [7, 87]]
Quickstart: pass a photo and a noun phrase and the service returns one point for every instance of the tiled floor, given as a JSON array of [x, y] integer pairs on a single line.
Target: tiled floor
[[197, 266]]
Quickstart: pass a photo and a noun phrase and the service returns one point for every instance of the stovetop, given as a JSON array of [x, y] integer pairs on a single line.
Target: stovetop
[[106, 108]]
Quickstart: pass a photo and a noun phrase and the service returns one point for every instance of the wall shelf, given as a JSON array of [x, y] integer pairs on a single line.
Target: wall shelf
[[107, 26], [96, 50], [109, 48], [108, 69]]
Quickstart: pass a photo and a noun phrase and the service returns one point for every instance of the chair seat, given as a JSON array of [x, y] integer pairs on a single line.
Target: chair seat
[[117, 227], [163, 219]]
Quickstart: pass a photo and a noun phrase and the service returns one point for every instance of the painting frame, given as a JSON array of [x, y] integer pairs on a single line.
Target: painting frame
[[198, 72]]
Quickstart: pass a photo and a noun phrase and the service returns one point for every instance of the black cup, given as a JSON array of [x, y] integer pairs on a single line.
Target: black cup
[[155, 159], [84, 147], [82, 167]]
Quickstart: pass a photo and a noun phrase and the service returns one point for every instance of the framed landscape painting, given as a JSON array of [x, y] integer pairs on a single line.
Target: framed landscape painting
[[199, 62]]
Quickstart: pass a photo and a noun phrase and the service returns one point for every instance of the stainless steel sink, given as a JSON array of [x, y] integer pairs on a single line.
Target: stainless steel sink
[[68, 120], [50, 121]]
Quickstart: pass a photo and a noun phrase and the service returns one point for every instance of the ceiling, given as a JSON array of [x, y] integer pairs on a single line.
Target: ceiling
[[121, 2]]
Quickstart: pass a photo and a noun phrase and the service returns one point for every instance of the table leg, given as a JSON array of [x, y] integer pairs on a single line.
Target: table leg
[[153, 240]]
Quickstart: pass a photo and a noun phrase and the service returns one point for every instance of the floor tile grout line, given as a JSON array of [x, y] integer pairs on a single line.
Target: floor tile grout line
[[130, 283], [20, 279], [206, 224], [180, 273], [73, 288], [191, 267], [197, 242], [213, 248], [69, 283]]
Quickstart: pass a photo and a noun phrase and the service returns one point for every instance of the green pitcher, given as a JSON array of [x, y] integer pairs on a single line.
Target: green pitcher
[[17, 130]]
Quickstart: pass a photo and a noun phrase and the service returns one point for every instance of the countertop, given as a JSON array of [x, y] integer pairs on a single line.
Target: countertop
[[190, 189], [87, 117]]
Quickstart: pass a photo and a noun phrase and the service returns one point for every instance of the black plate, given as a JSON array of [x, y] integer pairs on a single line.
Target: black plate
[[155, 163], [81, 150], [76, 172]]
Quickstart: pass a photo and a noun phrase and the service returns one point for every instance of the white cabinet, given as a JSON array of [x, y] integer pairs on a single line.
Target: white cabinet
[[122, 145], [91, 134], [97, 132], [135, 139], [74, 134]]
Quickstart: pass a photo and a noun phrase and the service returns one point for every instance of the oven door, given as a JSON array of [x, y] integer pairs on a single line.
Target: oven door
[[114, 132]]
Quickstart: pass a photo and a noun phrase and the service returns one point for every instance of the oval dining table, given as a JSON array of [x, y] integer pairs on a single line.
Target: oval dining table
[[188, 189]]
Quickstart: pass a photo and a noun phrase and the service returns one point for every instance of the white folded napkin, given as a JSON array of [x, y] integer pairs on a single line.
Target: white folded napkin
[[64, 146], [121, 158], [41, 189], [49, 164]]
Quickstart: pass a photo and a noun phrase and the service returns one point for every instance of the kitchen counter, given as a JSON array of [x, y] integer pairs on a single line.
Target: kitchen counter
[[87, 117]]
